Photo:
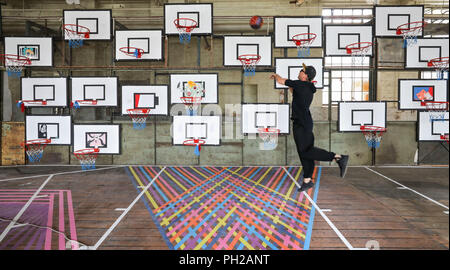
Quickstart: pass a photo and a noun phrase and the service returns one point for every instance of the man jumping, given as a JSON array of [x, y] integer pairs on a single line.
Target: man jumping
[[302, 95]]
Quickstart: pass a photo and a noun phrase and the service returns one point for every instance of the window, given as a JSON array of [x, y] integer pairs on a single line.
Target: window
[[345, 81], [432, 74], [436, 15], [347, 15]]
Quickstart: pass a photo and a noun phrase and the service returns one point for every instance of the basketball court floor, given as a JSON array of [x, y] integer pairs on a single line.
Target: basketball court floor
[[222, 208], [192, 85]]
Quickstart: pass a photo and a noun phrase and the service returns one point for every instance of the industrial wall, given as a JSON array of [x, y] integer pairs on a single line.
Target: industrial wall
[[153, 145]]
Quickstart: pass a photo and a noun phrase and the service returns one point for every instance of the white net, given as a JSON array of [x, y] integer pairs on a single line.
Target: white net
[[359, 52], [373, 135], [249, 63], [87, 158], [35, 149], [441, 66], [14, 66], [191, 95], [185, 27], [437, 110], [139, 117], [303, 43], [76, 34], [410, 32], [269, 137]]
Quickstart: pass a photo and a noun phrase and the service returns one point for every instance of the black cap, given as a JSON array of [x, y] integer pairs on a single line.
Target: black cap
[[310, 71]]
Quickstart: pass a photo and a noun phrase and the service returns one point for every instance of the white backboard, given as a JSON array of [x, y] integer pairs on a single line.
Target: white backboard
[[289, 68], [58, 128], [412, 92], [209, 82], [98, 22], [287, 27], [153, 97], [101, 89], [261, 115], [38, 49], [105, 137], [207, 128], [53, 90], [353, 115], [150, 41], [201, 13], [388, 18], [238, 45]]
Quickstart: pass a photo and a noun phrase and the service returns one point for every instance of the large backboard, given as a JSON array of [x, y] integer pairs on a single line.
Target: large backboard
[[234, 46], [424, 50], [209, 82], [105, 137], [101, 89], [58, 128], [388, 18], [289, 68], [412, 92], [38, 49], [337, 37], [53, 90], [353, 115], [287, 27], [430, 131], [207, 128], [150, 41], [201, 13], [98, 22], [153, 97], [262, 115]]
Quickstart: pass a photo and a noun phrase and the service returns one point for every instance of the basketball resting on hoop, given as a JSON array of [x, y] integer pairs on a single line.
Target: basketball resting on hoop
[[302, 95]]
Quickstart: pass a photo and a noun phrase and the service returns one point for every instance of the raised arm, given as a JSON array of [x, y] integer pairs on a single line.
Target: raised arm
[[278, 78]]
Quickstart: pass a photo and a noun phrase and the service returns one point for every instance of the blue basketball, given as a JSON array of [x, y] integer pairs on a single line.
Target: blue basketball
[[256, 22]]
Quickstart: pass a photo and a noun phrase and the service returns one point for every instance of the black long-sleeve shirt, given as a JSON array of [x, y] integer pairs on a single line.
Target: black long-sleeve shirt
[[302, 96]]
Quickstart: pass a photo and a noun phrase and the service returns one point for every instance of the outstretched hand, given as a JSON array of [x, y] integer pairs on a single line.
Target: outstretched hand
[[273, 76]]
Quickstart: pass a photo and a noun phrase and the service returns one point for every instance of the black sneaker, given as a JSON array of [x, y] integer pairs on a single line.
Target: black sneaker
[[306, 186], [342, 162]]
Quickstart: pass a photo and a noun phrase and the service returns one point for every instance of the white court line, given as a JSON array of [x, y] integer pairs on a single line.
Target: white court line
[[405, 187], [99, 242], [61, 173], [16, 218], [339, 234]]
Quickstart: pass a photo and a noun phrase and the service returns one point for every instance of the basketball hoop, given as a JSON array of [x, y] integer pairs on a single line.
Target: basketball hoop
[[76, 34], [87, 157], [249, 62], [303, 42], [410, 31], [24, 103], [438, 109], [192, 104], [185, 27], [373, 135], [192, 94], [77, 103], [440, 64], [269, 136], [35, 148], [14, 63], [132, 51], [358, 50], [444, 137], [197, 143], [139, 117]]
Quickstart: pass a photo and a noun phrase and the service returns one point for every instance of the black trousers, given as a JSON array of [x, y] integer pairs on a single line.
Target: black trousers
[[304, 140]]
